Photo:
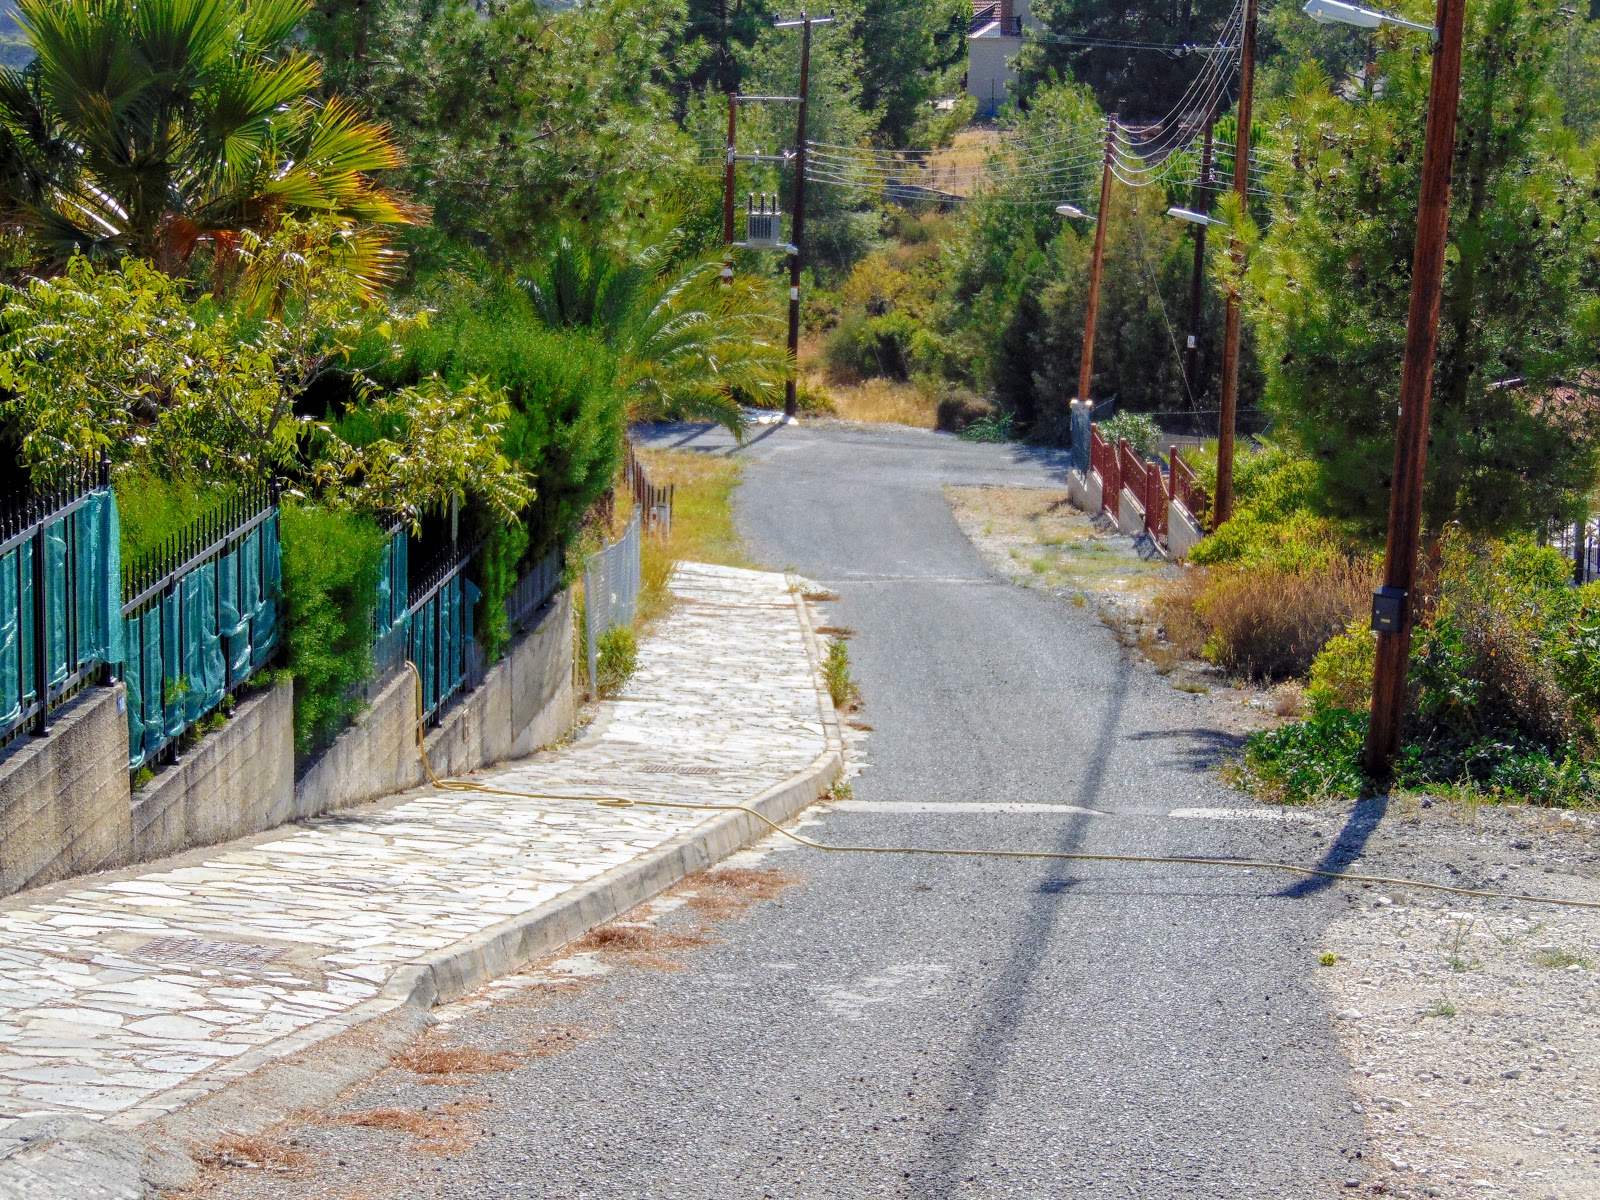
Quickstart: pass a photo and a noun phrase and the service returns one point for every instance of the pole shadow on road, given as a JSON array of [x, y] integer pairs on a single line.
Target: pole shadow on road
[[944, 1170], [1351, 843]]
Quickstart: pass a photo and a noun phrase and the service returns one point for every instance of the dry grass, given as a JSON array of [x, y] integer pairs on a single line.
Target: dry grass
[[260, 1153], [435, 1131], [702, 506], [452, 1060], [1264, 623], [636, 939], [884, 401], [728, 891]]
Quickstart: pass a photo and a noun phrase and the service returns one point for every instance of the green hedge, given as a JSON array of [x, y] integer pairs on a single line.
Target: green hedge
[[330, 589]]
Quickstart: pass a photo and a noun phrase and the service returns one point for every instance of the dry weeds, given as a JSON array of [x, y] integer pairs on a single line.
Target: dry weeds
[[435, 1131], [636, 939], [883, 402], [258, 1152], [452, 1060], [728, 891]]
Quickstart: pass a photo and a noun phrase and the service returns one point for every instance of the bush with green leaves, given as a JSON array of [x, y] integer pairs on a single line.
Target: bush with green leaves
[[617, 655], [330, 589], [1139, 430], [1504, 690], [1309, 761], [495, 572], [566, 412]]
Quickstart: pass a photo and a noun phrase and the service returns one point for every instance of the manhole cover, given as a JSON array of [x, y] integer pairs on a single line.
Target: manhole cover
[[207, 953], [679, 770]]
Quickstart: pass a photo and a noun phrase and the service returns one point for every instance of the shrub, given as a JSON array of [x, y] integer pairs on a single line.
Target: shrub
[[1139, 430], [495, 573], [836, 673], [152, 508], [1310, 761], [996, 427], [568, 411], [330, 589], [1341, 675], [617, 654], [959, 408], [1272, 623]]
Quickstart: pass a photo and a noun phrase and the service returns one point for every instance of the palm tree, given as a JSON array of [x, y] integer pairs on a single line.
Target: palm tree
[[687, 346], [150, 127]]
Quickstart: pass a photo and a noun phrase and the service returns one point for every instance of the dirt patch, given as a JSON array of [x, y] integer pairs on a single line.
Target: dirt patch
[[547, 1043]]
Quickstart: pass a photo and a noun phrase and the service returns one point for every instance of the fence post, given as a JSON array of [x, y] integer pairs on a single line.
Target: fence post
[[41, 639]]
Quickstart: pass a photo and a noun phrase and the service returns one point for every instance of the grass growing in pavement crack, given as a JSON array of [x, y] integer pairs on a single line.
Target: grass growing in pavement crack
[[836, 672]]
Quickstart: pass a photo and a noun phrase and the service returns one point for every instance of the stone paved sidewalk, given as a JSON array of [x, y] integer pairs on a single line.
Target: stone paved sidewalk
[[125, 999]]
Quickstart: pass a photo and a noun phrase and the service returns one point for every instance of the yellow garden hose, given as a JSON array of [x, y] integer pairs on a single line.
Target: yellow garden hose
[[463, 785]]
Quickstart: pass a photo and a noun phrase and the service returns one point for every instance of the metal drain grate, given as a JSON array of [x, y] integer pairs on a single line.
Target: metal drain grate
[[208, 954], [679, 770]]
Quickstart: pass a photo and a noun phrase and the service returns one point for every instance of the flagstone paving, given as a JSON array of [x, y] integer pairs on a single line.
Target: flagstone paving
[[115, 996]]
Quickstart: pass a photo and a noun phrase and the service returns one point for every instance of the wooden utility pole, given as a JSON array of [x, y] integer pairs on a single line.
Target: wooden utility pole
[[1101, 218], [1392, 609], [1222, 509], [1191, 351], [727, 189], [791, 403]]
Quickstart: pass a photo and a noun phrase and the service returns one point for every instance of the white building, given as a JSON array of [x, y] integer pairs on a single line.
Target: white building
[[992, 45]]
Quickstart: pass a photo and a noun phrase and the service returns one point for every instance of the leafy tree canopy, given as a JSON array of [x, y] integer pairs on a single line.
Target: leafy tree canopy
[[1514, 428], [150, 128]]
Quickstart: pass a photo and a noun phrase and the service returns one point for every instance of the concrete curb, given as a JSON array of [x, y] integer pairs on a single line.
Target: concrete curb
[[313, 1065]]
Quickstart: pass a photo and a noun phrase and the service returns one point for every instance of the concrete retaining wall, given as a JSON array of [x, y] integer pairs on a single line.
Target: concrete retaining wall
[[64, 798], [65, 806], [1183, 531], [525, 701], [236, 781], [1086, 490], [1130, 514]]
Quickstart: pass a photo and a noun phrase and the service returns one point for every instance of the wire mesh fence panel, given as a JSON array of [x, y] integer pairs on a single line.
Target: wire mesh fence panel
[[58, 600], [199, 618], [610, 590]]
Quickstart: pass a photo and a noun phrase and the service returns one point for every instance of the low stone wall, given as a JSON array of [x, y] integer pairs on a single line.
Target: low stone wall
[[64, 798], [236, 781], [1087, 491], [65, 806]]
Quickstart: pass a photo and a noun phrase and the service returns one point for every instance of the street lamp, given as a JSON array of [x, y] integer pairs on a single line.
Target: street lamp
[[1195, 218], [1072, 210], [1333, 12], [1392, 609]]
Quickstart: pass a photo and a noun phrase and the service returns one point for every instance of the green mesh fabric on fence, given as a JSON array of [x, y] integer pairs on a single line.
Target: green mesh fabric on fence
[[393, 593], [81, 573], [203, 636], [439, 640]]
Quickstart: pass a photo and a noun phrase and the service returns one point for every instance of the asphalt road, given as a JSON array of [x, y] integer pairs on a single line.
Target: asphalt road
[[960, 1028]]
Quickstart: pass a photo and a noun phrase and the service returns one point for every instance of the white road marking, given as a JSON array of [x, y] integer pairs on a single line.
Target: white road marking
[[959, 806], [1240, 814]]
